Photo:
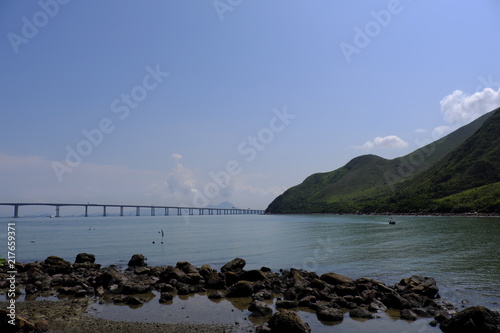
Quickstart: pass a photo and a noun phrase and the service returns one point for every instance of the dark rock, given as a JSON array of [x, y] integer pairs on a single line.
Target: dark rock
[[262, 329], [260, 309], [215, 280], [166, 288], [166, 296], [265, 269], [419, 285], [376, 305], [30, 289], [132, 287], [234, 265], [329, 314], [361, 312], [84, 258], [343, 290], [216, 294], [133, 300], [241, 289], [408, 314], [287, 304], [120, 299], [395, 301], [288, 322], [335, 279], [137, 260], [172, 273], [253, 276], [307, 301], [263, 294], [290, 294], [473, 320], [232, 277], [55, 265], [186, 267]]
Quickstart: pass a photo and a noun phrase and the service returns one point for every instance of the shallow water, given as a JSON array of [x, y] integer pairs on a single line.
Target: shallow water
[[461, 253]]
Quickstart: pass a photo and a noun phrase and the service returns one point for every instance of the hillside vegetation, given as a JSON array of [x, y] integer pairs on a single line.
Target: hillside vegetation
[[458, 173]]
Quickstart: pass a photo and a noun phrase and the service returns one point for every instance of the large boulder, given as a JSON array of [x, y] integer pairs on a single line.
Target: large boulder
[[335, 279], [55, 265], [288, 322], [137, 260], [473, 320], [84, 257], [241, 289], [425, 286], [330, 314], [234, 265], [260, 309]]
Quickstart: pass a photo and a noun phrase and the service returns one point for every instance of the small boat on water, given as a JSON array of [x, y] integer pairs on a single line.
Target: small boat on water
[[391, 221]]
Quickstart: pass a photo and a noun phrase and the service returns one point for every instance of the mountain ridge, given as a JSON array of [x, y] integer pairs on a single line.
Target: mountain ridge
[[371, 184]]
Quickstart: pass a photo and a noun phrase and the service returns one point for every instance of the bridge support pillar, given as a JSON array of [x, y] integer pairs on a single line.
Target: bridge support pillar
[[190, 211], [16, 211], [166, 211], [137, 211], [86, 211], [103, 210], [121, 210], [152, 211], [57, 211], [179, 211]]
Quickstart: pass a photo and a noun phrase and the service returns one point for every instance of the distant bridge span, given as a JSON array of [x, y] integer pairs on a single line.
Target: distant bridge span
[[153, 208]]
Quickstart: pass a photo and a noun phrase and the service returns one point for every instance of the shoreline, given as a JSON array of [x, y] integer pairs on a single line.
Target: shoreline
[[331, 298]]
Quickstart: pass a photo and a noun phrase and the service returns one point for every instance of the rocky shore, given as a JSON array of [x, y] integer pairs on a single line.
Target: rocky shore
[[330, 296]]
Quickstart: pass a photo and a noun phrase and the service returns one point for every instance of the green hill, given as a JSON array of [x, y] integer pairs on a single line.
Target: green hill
[[414, 183]]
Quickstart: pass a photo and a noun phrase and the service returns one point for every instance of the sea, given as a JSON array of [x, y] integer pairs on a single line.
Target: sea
[[461, 253]]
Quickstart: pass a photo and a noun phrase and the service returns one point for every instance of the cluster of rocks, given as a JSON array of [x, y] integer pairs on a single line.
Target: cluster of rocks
[[330, 295]]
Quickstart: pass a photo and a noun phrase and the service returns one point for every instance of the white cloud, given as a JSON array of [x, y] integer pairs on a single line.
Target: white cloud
[[176, 156], [420, 130], [387, 142], [441, 131], [460, 108]]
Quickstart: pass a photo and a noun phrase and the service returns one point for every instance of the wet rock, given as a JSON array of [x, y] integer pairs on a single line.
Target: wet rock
[[120, 299], [344, 290], [263, 295], [408, 314], [329, 314], [307, 301], [55, 265], [335, 279], [288, 322], [166, 296], [131, 288], [253, 276], [473, 320], [137, 260], [30, 289], [215, 294], [395, 301], [84, 258], [260, 309], [241, 289], [186, 267], [234, 265], [173, 273], [134, 300], [361, 312], [419, 285], [232, 277], [287, 304], [377, 306]]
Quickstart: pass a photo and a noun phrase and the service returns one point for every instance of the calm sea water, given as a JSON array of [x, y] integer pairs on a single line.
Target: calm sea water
[[461, 253]]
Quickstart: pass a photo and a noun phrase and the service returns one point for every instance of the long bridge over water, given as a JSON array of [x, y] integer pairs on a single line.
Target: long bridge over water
[[152, 208]]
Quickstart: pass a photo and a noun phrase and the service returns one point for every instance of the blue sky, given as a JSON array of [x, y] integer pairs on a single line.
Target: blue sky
[[202, 102]]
